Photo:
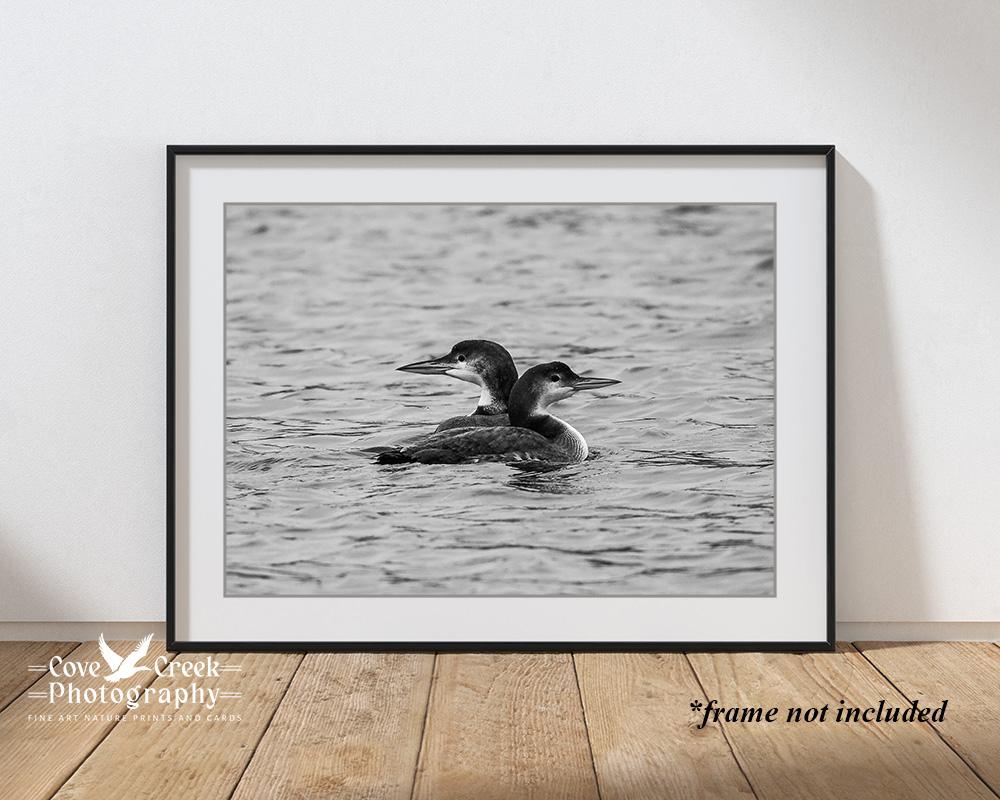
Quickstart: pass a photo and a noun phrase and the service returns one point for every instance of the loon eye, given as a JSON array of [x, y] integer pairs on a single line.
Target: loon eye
[[554, 378], [461, 358]]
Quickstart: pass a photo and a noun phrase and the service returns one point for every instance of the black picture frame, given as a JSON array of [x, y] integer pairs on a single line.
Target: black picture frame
[[828, 644]]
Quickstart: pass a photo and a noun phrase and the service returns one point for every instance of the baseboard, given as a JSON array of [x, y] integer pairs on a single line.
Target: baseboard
[[918, 631], [79, 631], [846, 631]]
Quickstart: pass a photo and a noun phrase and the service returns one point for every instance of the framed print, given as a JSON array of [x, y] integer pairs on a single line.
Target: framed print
[[500, 398]]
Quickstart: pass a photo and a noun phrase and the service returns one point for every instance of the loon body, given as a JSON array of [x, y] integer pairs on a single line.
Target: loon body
[[486, 364], [533, 435]]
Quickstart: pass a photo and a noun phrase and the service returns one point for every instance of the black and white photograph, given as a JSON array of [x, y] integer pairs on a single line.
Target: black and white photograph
[[427, 399]]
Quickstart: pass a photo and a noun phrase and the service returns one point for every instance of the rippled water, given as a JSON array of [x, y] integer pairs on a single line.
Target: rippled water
[[323, 302]]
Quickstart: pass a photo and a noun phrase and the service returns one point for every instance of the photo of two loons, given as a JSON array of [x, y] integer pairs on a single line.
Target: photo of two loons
[[512, 422]]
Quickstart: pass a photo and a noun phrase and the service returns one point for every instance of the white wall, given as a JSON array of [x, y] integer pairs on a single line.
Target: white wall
[[90, 93]]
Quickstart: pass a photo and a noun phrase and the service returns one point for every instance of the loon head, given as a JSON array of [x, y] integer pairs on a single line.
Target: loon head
[[486, 364], [545, 384]]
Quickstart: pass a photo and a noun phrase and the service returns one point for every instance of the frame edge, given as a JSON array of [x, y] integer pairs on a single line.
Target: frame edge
[[173, 645]]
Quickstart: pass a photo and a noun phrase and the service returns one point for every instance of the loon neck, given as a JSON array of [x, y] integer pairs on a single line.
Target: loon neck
[[490, 402], [495, 381], [557, 431]]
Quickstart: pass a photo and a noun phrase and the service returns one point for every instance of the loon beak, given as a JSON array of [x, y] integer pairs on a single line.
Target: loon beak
[[593, 383], [434, 366]]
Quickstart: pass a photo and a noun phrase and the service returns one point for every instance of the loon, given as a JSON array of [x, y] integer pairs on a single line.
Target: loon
[[483, 363], [534, 433]]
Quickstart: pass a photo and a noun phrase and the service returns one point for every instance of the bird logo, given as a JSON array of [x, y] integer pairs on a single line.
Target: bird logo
[[122, 668]]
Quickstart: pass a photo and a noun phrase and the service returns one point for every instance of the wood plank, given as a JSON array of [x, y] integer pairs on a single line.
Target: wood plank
[[349, 727], [187, 755], [503, 726], [642, 730], [16, 657], [862, 761], [967, 674], [38, 753]]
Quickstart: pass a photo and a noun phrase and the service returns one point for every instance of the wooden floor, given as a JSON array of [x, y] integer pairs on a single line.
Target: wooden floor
[[611, 726]]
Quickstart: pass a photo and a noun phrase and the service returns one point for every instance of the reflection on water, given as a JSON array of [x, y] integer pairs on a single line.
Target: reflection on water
[[323, 302]]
